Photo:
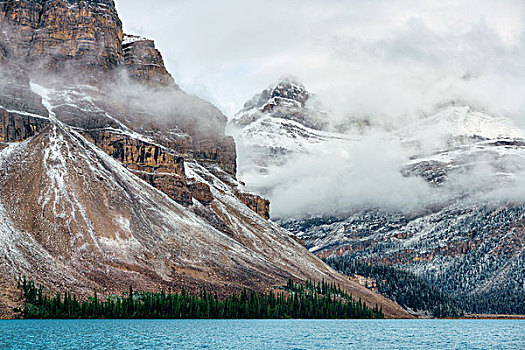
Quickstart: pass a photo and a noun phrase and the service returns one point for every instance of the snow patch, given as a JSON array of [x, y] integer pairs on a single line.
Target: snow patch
[[130, 39]]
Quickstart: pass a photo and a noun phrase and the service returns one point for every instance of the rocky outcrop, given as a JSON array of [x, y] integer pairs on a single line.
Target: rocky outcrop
[[179, 188], [176, 187], [221, 152], [201, 192], [15, 127], [54, 31], [136, 154], [155, 164], [144, 62], [256, 203]]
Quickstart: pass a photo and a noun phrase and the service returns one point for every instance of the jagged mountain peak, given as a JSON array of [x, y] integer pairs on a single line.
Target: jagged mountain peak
[[287, 99], [288, 92]]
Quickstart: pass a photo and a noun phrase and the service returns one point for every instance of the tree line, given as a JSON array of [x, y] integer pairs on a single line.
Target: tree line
[[309, 301], [405, 288]]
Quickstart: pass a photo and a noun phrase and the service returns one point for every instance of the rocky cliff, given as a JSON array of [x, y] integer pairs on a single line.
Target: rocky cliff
[[256, 203], [60, 31], [144, 62], [88, 34], [123, 179]]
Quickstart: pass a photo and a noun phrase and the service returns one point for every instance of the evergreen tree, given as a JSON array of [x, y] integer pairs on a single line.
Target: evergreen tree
[[295, 301]]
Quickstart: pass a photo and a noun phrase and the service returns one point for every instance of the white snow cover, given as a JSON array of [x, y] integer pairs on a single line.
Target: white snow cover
[[462, 121], [310, 172], [23, 113], [129, 39]]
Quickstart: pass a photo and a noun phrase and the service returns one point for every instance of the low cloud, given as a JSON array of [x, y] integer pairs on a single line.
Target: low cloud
[[390, 63], [339, 177], [370, 59]]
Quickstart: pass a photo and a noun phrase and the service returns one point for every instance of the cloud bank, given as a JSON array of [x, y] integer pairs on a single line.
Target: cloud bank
[[387, 61], [385, 58]]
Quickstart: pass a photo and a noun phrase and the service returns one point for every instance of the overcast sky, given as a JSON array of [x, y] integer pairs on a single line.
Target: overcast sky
[[390, 61], [365, 57]]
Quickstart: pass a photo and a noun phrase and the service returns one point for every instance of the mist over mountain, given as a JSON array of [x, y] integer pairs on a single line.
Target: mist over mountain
[[291, 149], [441, 195], [396, 137], [112, 176], [387, 60]]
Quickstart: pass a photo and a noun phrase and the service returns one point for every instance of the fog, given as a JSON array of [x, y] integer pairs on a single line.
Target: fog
[[386, 59], [161, 107], [391, 63], [338, 177]]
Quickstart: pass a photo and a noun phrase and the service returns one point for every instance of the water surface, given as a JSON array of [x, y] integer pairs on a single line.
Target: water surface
[[263, 334]]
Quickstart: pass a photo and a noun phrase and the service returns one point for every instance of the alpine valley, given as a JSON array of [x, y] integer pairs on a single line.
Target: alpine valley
[[111, 176], [458, 225]]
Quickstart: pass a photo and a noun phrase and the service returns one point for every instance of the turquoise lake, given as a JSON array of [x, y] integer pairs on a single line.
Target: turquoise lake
[[263, 334]]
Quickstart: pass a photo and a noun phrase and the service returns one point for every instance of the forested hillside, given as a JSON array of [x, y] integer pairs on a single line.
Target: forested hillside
[[433, 295]]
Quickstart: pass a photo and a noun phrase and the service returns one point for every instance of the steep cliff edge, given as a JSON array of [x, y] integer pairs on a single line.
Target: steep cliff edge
[[60, 31], [144, 62]]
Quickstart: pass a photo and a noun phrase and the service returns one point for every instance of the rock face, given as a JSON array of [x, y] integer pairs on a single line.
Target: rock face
[[256, 203], [221, 152], [90, 31], [125, 180], [15, 127], [144, 62], [153, 163], [136, 154], [61, 33]]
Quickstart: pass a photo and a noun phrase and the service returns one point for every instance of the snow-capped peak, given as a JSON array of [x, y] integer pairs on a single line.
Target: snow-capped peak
[[287, 99], [286, 93], [465, 122]]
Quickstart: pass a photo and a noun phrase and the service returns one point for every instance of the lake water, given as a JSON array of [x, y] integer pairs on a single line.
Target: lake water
[[263, 334]]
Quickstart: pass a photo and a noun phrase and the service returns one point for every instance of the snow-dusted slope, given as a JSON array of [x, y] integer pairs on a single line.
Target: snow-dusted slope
[[272, 141], [463, 122], [111, 176], [466, 227], [278, 124], [71, 214]]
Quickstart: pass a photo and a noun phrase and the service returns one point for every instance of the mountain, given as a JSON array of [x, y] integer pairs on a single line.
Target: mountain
[[112, 176], [461, 224], [276, 124]]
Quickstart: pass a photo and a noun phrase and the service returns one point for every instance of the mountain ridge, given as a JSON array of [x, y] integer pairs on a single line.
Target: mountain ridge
[[464, 231], [112, 176]]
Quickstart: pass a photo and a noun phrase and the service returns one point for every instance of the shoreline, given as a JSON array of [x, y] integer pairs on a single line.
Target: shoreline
[[492, 317], [466, 317]]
